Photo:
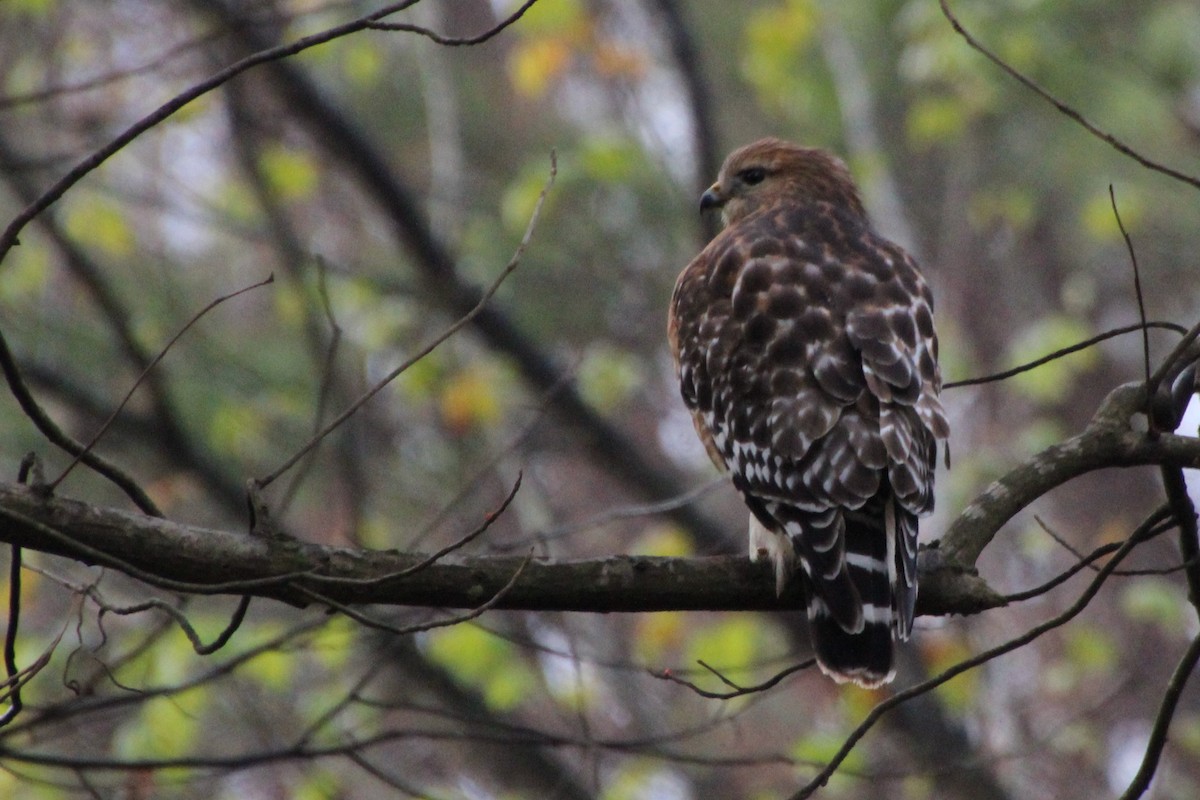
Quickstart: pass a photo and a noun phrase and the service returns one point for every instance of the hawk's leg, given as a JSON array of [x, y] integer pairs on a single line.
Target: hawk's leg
[[777, 547]]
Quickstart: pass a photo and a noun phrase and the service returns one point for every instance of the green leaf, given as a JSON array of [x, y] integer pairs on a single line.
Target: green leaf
[[27, 8], [484, 661], [1090, 649], [292, 173], [609, 159], [1097, 215], [1156, 602], [521, 196], [933, 120], [317, 784], [25, 271], [101, 224], [237, 429], [818, 747], [607, 376], [558, 16], [143, 735], [777, 42], [361, 60], [1051, 381], [733, 643]]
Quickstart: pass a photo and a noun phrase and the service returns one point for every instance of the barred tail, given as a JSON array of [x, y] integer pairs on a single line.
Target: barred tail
[[859, 573], [880, 574]]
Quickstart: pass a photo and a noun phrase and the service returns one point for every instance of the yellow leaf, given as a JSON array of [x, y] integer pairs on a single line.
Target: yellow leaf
[[607, 376], [1050, 381], [656, 635], [469, 400], [272, 669], [616, 60], [663, 540], [534, 64]]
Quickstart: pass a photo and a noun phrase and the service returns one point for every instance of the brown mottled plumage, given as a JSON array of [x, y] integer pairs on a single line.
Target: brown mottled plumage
[[805, 350]]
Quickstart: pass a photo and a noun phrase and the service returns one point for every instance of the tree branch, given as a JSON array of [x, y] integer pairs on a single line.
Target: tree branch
[[1108, 441], [287, 570]]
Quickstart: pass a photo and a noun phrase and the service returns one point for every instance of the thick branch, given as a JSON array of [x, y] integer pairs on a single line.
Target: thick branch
[[1108, 441], [214, 561]]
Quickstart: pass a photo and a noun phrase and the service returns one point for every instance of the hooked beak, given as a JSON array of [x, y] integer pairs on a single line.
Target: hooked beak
[[712, 198]]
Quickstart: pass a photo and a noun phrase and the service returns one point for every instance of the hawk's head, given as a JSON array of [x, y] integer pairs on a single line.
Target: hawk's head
[[765, 172]]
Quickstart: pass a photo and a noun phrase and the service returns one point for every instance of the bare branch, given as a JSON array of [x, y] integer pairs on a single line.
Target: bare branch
[[202, 560], [1108, 441], [736, 689], [180, 619], [8, 239], [1162, 722], [1062, 107], [449, 622], [1066, 351], [1141, 300], [50, 429], [451, 41]]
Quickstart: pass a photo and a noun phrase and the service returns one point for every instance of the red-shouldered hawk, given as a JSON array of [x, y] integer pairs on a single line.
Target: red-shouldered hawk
[[805, 350]]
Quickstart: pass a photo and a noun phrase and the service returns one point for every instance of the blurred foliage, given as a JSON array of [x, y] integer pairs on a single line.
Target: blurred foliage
[[1009, 210]]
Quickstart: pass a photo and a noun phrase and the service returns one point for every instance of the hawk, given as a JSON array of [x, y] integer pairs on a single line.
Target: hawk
[[805, 350]]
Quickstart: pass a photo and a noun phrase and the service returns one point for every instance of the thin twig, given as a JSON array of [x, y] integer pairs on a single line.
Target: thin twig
[[429, 348], [1084, 562], [1062, 107], [616, 514], [9, 237], [50, 429], [1061, 540], [1066, 351], [432, 559], [10, 638], [737, 689], [327, 376], [153, 363], [1162, 722], [371, 622], [239, 614], [450, 41], [1141, 300]]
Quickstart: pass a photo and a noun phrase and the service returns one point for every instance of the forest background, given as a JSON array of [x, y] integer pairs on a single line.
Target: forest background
[[155, 157]]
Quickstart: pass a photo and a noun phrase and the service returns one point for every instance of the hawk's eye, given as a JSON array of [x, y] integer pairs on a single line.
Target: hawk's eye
[[752, 175]]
